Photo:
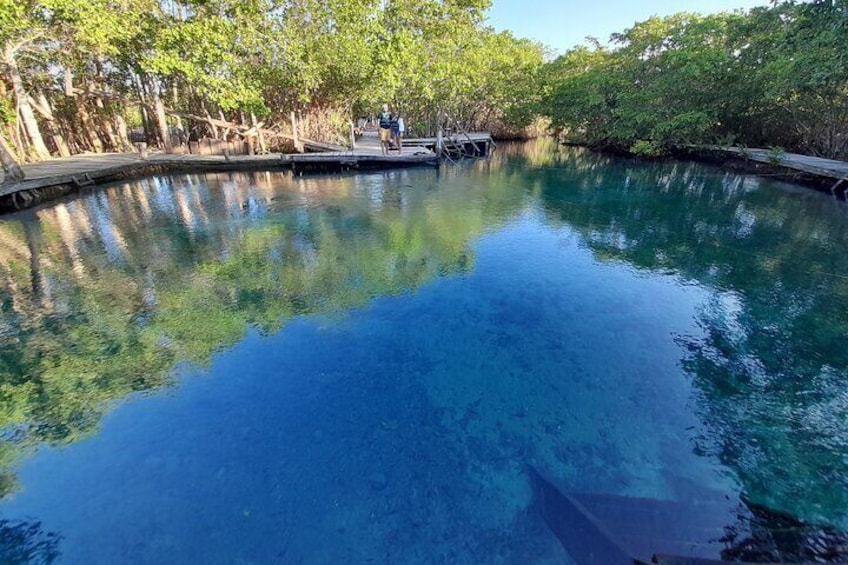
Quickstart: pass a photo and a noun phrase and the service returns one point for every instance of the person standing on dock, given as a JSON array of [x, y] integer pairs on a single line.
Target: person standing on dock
[[398, 129], [385, 129]]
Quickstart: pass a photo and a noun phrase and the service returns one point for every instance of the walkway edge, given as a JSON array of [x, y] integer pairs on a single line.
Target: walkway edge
[[29, 193], [825, 175]]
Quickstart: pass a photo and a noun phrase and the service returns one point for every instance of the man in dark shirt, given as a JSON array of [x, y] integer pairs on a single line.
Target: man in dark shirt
[[385, 118]]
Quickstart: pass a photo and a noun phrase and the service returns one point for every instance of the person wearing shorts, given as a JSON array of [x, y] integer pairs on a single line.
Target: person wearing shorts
[[385, 119]]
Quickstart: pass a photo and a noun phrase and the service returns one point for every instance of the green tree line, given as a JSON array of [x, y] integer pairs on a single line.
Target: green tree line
[[82, 75], [774, 76]]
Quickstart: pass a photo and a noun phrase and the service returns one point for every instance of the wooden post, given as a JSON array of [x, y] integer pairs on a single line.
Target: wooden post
[[439, 142], [142, 150], [352, 137], [297, 146]]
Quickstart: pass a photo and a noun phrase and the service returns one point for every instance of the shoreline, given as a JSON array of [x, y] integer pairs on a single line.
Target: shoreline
[[823, 175], [53, 179], [26, 194]]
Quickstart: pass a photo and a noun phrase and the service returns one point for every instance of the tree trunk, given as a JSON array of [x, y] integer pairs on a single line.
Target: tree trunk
[[14, 138], [70, 128], [27, 115], [9, 132], [88, 126], [11, 169], [53, 130], [103, 117], [106, 125], [146, 120], [212, 126], [123, 131], [161, 120], [176, 105], [147, 123], [261, 138], [14, 146], [226, 134]]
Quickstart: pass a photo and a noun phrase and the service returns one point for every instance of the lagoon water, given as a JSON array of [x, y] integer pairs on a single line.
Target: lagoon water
[[267, 368]]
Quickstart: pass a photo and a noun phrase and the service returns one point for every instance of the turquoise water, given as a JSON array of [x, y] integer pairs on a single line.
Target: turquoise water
[[258, 368]]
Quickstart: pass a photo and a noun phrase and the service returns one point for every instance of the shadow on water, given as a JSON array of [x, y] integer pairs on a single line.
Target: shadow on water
[[616, 530], [24, 543], [557, 296]]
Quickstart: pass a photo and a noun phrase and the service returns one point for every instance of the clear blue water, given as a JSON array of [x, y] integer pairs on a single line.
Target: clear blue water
[[257, 368]]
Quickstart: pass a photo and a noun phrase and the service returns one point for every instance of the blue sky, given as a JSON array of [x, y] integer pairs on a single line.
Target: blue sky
[[564, 23]]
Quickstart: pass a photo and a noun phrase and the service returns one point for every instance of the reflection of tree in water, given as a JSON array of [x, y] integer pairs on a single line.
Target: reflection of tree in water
[[771, 364], [102, 295], [24, 543]]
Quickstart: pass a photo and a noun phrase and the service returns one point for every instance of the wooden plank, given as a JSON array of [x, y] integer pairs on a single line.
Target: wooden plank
[[475, 137], [320, 146], [817, 166]]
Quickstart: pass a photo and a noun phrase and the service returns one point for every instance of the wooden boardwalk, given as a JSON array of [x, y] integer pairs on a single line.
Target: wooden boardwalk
[[826, 173], [806, 163], [54, 178]]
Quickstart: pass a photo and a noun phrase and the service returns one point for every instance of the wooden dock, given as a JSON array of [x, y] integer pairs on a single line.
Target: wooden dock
[[52, 179], [825, 174]]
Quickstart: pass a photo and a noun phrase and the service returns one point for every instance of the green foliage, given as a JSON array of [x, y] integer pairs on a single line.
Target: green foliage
[[772, 76], [8, 113], [433, 60], [208, 52], [646, 149], [20, 20], [726, 140], [580, 91], [776, 155], [688, 127], [436, 59]]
